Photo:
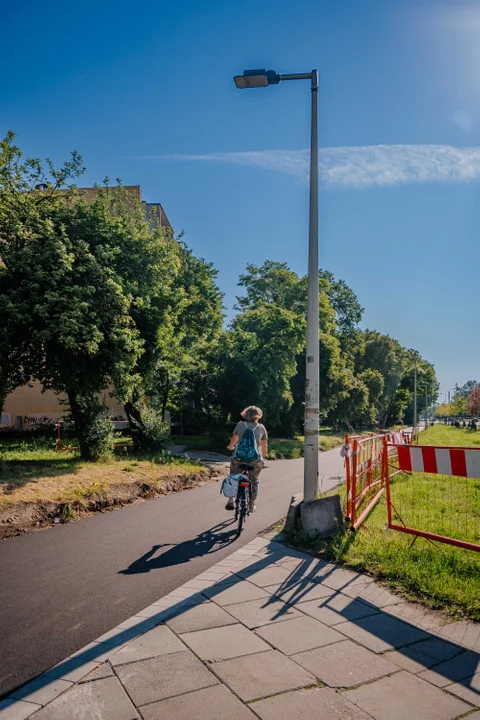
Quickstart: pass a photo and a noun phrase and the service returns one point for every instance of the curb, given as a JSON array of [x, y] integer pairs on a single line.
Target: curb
[[40, 691]]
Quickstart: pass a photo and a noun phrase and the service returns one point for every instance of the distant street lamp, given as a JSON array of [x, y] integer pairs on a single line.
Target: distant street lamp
[[264, 78]]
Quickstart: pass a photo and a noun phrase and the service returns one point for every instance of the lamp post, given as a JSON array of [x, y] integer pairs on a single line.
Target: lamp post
[[426, 407], [415, 398], [264, 78]]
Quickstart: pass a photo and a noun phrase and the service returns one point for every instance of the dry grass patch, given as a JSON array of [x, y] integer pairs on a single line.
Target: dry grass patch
[[71, 480], [40, 486]]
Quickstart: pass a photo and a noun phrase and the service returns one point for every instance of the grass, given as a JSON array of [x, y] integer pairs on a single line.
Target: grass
[[440, 434], [440, 575], [278, 448], [33, 471]]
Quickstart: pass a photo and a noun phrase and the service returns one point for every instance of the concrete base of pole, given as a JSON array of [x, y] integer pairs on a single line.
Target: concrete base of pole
[[293, 515], [322, 518]]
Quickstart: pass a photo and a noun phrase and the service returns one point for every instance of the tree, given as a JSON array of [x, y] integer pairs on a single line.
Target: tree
[[275, 286], [467, 389], [458, 404], [196, 328], [348, 315], [23, 213], [262, 346], [473, 402], [388, 357], [73, 274], [444, 410]]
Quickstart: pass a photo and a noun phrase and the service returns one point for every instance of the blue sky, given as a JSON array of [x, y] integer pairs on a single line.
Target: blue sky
[[145, 93]]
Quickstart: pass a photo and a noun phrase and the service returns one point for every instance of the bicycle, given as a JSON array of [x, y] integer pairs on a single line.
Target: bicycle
[[242, 501]]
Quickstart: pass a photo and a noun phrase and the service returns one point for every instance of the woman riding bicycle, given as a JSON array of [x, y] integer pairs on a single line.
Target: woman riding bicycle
[[251, 415]]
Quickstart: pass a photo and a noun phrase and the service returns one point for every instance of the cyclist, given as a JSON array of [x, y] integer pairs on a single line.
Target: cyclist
[[251, 415]]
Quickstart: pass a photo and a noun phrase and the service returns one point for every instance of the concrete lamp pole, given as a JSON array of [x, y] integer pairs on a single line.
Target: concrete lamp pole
[[415, 398], [264, 78]]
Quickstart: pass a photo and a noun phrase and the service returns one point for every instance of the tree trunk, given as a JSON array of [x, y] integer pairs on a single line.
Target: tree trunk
[[134, 416], [79, 420], [165, 399]]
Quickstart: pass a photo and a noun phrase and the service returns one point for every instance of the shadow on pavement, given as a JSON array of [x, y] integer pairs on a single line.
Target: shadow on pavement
[[209, 541], [446, 659]]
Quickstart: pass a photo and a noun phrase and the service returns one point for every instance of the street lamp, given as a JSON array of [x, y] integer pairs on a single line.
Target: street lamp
[[264, 78]]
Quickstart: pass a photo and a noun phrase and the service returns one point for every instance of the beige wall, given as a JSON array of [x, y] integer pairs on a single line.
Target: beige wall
[[35, 407]]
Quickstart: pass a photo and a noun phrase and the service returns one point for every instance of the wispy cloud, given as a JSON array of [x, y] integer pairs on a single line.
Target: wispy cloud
[[463, 120], [361, 167]]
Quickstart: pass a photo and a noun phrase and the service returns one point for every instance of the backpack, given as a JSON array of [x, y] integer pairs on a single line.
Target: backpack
[[247, 449], [230, 485]]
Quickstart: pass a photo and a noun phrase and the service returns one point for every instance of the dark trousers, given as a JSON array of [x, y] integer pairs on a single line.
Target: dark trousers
[[255, 469]]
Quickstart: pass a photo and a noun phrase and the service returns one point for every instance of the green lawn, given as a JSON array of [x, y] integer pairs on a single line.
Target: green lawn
[[448, 435], [440, 575]]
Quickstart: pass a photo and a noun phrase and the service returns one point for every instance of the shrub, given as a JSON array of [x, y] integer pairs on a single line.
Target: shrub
[[98, 439], [152, 433]]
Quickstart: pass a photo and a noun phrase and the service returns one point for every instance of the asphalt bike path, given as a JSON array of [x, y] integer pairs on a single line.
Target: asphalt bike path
[[63, 587]]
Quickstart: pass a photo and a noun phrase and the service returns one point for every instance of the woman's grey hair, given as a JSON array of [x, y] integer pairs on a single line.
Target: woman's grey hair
[[251, 413]]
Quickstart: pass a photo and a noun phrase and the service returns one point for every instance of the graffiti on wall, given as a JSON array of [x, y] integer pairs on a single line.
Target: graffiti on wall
[[40, 420]]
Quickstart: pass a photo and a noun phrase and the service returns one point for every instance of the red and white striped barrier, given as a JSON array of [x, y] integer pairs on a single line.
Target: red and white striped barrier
[[460, 462]]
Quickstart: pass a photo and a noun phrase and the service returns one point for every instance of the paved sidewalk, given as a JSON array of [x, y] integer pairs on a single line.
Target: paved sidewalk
[[269, 633]]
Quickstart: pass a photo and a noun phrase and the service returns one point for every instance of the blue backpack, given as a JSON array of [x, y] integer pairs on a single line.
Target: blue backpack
[[247, 449]]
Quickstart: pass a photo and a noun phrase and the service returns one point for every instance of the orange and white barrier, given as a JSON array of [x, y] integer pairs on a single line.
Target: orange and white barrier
[[453, 461], [365, 472], [461, 462]]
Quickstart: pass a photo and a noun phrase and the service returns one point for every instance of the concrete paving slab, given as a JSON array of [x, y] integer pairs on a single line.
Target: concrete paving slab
[[157, 613], [371, 593], [314, 704], [337, 609], [41, 690], [300, 592], [72, 669], [272, 575], [286, 553], [200, 617], [408, 659], [161, 677], [257, 559], [118, 636], [213, 703], [305, 565], [174, 601], [381, 632], [102, 671], [299, 634], [417, 615], [440, 650], [468, 690], [159, 641], [405, 696], [224, 643], [338, 578], [105, 699], [256, 613], [454, 670], [142, 624], [11, 710], [189, 593], [257, 676], [95, 651], [463, 633], [344, 664], [239, 592]]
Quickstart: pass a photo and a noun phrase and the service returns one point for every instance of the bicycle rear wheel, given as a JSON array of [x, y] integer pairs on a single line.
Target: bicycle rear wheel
[[242, 511]]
